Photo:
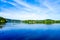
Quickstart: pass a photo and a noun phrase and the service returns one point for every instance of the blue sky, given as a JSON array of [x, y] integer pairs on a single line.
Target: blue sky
[[30, 9]]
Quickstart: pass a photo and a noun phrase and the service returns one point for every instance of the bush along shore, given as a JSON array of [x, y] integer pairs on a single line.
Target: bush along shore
[[47, 21]]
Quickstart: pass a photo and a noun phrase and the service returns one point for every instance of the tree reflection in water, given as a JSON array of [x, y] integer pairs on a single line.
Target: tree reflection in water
[[2, 22], [2, 25]]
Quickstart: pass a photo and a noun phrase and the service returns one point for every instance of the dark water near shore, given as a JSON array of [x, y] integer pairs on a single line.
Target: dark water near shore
[[16, 31]]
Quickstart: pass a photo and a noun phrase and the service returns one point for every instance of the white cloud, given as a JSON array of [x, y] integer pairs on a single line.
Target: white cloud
[[30, 11], [24, 16]]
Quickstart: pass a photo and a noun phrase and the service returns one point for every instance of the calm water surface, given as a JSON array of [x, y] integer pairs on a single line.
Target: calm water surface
[[19, 31]]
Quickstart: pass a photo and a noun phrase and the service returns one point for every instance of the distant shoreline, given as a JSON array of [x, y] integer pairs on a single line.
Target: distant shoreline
[[46, 21]]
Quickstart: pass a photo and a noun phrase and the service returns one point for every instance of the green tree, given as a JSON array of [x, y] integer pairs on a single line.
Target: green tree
[[2, 20]]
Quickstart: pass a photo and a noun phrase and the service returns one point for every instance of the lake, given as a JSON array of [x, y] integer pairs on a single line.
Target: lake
[[20, 31]]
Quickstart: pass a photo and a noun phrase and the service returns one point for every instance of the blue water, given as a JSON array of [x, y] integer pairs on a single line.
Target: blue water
[[16, 31]]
